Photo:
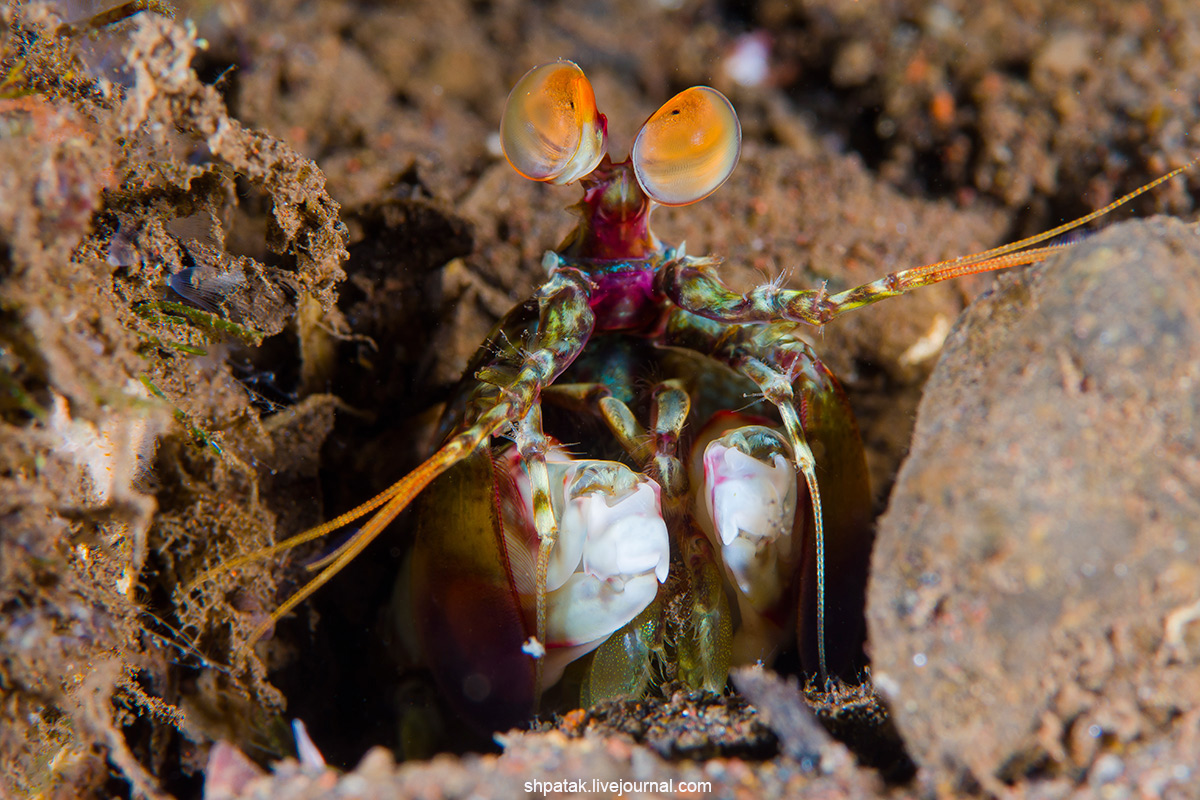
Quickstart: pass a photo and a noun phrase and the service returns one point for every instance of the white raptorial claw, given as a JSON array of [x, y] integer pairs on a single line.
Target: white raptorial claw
[[748, 497], [587, 609], [612, 549], [626, 535], [752, 502]]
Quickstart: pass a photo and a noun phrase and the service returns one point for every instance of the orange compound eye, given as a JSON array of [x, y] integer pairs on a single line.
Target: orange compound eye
[[551, 130], [688, 147]]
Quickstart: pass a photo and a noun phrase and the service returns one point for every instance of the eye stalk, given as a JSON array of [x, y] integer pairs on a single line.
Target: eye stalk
[[551, 129], [688, 147], [553, 132]]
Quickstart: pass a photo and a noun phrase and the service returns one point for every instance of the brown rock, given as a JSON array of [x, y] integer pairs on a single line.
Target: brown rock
[[1039, 551]]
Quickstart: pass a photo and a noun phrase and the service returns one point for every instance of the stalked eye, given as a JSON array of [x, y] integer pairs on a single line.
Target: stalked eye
[[551, 129], [688, 147]]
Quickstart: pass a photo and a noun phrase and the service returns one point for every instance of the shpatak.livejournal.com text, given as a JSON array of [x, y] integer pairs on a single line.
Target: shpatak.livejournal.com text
[[617, 787]]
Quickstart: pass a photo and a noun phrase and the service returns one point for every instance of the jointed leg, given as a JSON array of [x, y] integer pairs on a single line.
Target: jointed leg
[[777, 388], [656, 449], [532, 444], [504, 399]]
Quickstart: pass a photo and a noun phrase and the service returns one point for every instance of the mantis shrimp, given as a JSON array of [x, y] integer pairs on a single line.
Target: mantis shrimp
[[643, 475]]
